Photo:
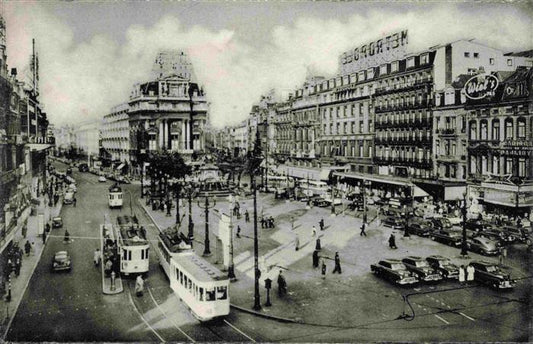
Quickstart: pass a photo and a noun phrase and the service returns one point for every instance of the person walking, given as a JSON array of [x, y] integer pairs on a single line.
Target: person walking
[[313, 232], [27, 248], [363, 227], [318, 245], [337, 264], [462, 272], [43, 236], [296, 242], [246, 216], [97, 257], [392, 242], [470, 273], [139, 286], [282, 284], [315, 259], [238, 231], [66, 238], [321, 224], [323, 270]]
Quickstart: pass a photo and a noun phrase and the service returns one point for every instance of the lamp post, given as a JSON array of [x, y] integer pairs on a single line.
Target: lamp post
[[177, 190], [191, 225], [257, 298], [231, 267], [333, 200], [142, 180], [406, 217], [207, 205], [168, 185], [464, 248]]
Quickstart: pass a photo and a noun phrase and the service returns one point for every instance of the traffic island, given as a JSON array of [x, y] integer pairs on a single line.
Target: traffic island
[[111, 280]]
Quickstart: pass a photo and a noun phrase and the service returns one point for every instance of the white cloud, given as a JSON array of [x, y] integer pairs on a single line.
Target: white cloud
[[81, 81]]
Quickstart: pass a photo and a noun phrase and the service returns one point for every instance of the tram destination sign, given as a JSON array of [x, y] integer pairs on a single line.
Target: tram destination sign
[[384, 50]]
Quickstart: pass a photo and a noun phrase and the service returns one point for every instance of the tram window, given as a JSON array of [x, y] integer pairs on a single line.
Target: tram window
[[201, 294], [142, 254], [119, 196], [222, 293], [210, 294], [181, 277], [185, 281], [177, 273], [125, 255]]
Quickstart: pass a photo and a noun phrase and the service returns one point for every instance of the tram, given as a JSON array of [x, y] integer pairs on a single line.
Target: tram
[[199, 284], [115, 196], [133, 246]]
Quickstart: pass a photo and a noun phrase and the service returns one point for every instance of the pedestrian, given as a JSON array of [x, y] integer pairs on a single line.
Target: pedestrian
[[313, 233], [323, 271], [315, 259], [74, 202], [392, 242], [462, 273], [282, 284], [27, 247], [33, 247], [66, 239], [470, 273], [24, 230], [337, 264], [246, 216], [502, 254], [363, 227], [18, 263], [44, 237], [296, 242], [321, 224], [47, 228], [108, 267], [318, 246], [238, 231], [262, 222], [139, 286], [97, 257]]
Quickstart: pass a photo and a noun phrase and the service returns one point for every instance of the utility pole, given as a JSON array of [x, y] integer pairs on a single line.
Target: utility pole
[[207, 205], [464, 249], [231, 267], [266, 154], [257, 297]]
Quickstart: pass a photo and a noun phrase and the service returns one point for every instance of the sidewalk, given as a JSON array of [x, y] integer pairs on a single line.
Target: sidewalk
[[20, 283], [337, 300]]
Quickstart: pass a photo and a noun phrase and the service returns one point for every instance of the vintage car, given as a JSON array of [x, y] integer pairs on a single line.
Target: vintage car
[[483, 245], [444, 266], [501, 236], [448, 237], [394, 222], [441, 223], [69, 197], [491, 274], [83, 167], [102, 179], [521, 234], [57, 222], [394, 271], [419, 229], [61, 261], [422, 269]]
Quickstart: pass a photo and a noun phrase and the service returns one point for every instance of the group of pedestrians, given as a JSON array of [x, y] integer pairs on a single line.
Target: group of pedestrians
[[267, 222], [320, 261], [466, 274]]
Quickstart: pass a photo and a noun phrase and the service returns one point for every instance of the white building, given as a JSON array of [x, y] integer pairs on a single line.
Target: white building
[[115, 133], [88, 138]]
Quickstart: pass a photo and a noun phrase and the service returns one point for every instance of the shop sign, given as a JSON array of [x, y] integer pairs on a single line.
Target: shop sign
[[383, 50], [517, 143], [481, 86]]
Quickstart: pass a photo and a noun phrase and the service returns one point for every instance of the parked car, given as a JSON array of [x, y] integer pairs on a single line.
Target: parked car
[[419, 229], [102, 179], [483, 245], [444, 266], [501, 236], [521, 234], [394, 271], [491, 274], [83, 167], [61, 261], [448, 237], [57, 222], [319, 202], [422, 269], [69, 197], [441, 223], [394, 222], [69, 171]]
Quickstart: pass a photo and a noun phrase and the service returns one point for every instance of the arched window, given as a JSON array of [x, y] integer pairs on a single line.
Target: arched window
[[521, 128], [483, 133], [473, 130], [508, 128], [496, 129]]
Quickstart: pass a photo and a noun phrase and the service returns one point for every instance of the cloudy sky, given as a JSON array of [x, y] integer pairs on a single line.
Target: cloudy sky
[[91, 53]]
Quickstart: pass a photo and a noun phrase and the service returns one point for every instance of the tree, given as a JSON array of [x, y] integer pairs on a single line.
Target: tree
[[170, 163], [255, 156]]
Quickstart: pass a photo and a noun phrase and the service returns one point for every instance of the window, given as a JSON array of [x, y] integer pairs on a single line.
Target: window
[[383, 69], [495, 165], [467, 54], [483, 134], [476, 55], [410, 62], [361, 127], [473, 130], [424, 59], [508, 128], [370, 73], [522, 167], [509, 62], [496, 129], [521, 128], [491, 61], [394, 66], [210, 294], [361, 76], [508, 165], [222, 293]]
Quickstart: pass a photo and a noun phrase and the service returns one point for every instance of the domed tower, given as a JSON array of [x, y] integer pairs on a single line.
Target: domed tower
[[173, 63]]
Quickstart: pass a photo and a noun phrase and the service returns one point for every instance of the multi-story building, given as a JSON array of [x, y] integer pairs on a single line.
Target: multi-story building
[[500, 139], [64, 138], [88, 139], [115, 133], [168, 112]]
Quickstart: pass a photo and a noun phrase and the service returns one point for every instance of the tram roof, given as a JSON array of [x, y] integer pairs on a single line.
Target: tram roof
[[202, 270], [132, 236], [127, 220]]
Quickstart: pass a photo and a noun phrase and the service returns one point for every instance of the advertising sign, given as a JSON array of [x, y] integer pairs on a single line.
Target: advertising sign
[[384, 50], [481, 86]]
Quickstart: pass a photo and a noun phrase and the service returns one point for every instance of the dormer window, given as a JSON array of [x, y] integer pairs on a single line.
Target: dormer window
[[410, 62], [394, 66], [346, 80], [370, 73], [424, 59], [361, 76], [383, 69]]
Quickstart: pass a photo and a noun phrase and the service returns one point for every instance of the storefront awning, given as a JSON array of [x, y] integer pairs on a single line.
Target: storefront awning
[[120, 167], [36, 147]]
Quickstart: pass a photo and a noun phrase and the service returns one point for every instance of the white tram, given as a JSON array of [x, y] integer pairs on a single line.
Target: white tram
[[203, 288], [133, 246], [115, 196]]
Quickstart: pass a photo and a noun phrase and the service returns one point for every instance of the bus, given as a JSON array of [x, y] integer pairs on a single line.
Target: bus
[[115, 196], [200, 285], [133, 246], [312, 188]]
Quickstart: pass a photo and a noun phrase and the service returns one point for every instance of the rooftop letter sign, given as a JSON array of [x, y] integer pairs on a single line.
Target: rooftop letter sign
[[481, 86]]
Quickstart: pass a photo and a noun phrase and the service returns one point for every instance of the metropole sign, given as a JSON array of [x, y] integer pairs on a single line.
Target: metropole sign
[[384, 50], [481, 86]]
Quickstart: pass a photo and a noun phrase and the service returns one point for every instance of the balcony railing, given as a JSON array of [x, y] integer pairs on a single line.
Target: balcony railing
[[406, 123], [403, 87], [388, 108], [410, 162]]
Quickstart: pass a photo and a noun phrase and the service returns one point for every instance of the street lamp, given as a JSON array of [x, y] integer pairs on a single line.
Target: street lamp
[[177, 191], [190, 191], [406, 218], [257, 298], [207, 205], [464, 248], [142, 179], [167, 189]]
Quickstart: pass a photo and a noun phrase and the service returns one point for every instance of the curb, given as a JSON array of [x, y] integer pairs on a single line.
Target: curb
[[149, 215], [267, 316]]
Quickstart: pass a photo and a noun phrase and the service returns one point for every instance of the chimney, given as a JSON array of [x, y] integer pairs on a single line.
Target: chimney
[[14, 72]]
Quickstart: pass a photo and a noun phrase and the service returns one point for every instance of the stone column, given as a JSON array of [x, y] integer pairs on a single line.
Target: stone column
[[160, 135], [182, 135]]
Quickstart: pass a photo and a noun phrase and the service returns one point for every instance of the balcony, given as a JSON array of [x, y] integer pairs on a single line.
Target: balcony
[[404, 87], [389, 108], [447, 132], [408, 162], [406, 123], [403, 141]]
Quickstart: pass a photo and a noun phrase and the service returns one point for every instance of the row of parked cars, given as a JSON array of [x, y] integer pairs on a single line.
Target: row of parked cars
[[412, 270], [483, 237]]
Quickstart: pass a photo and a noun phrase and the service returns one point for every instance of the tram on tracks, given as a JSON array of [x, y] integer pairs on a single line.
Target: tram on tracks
[[133, 246], [115, 197], [199, 284]]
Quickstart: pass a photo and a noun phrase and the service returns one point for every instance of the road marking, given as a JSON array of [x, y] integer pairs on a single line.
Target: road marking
[[143, 319], [441, 319], [236, 329], [466, 316], [163, 312]]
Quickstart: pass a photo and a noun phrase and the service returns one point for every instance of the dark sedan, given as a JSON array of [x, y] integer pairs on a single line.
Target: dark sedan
[[394, 222], [422, 269], [419, 229], [483, 245], [394, 271], [61, 261], [444, 266], [492, 275], [448, 237]]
